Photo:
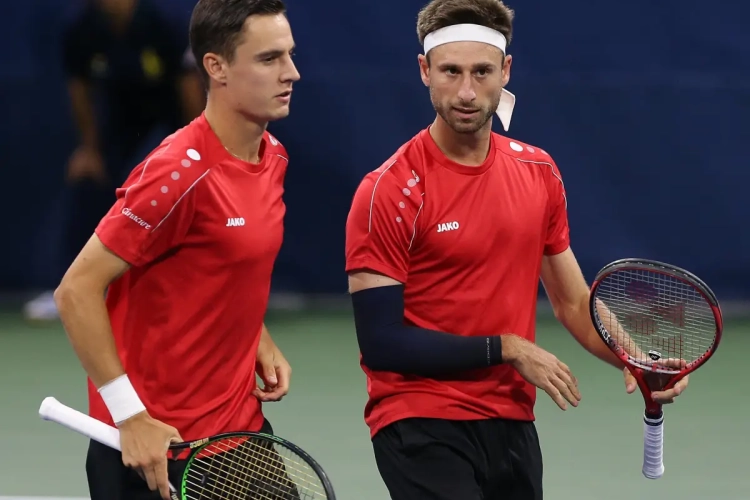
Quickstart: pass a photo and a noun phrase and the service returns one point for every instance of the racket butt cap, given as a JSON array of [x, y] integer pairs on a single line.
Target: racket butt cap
[[47, 404], [650, 474]]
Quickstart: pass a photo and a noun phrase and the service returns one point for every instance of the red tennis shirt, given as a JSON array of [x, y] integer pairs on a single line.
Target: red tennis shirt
[[201, 230], [467, 242]]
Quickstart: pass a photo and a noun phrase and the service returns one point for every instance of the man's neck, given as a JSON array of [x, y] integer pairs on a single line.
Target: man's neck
[[239, 136], [466, 149]]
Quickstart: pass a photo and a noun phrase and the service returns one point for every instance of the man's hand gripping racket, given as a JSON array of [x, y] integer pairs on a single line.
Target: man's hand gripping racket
[[236, 466], [663, 323]]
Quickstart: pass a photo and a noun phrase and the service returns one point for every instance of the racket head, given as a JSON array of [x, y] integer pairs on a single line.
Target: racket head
[[663, 312], [244, 465]]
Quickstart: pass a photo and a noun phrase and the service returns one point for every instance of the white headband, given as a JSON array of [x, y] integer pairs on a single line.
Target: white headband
[[464, 33], [475, 33]]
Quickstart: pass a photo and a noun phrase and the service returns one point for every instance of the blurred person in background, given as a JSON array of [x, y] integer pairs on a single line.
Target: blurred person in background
[[131, 79]]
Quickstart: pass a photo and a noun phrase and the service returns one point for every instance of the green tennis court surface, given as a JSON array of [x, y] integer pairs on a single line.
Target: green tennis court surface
[[591, 452]]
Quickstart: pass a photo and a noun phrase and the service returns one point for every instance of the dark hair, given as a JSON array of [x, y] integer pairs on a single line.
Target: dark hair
[[216, 26], [443, 13]]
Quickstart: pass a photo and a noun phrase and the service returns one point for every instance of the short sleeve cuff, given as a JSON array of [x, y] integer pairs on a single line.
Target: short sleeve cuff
[[557, 248], [115, 246], [378, 267]]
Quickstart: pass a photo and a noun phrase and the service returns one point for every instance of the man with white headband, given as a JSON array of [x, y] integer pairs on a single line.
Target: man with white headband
[[445, 245]]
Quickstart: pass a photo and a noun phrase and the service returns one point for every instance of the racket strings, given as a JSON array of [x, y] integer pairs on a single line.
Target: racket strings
[[246, 481], [655, 316], [232, 482], [251, 469]]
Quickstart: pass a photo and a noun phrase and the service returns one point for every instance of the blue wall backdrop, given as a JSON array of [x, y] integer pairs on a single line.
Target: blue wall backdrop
[[643, 105]]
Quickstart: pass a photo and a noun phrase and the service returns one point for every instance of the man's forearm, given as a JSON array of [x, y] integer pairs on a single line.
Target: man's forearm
[[617, 331], [577, 320], [266, 343], [264, 334], [387, 344], [265, 338], [86, 322], [84, 316]]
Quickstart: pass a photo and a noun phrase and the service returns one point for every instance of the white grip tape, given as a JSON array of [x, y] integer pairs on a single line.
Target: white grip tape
[[653, 447], [54, 411], [121, 399]]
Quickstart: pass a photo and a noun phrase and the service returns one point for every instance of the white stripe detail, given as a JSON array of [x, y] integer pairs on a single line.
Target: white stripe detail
[[414, 226], [125, 196], [282, 157], [143, 172], [372, 199], [157, 154], [553, 173], [180, 199]]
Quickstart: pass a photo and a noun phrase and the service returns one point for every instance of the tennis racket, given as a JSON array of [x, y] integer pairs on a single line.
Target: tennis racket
[[663, 322], [235, 466]]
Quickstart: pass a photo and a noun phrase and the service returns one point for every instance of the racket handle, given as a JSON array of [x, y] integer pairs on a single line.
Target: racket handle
[[54, 411], [653, 446]]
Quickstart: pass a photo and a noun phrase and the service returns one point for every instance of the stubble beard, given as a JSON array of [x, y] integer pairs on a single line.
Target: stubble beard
[[464, 126]]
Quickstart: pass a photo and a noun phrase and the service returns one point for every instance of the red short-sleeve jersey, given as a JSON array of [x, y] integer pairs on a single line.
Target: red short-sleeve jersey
[[467, 242], [201, 230]]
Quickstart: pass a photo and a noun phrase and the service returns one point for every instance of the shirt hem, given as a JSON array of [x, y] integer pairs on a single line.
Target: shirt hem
[[383, 422]]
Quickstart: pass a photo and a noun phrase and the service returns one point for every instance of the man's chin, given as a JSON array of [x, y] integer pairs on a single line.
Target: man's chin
[[279, 114], [461, 127]]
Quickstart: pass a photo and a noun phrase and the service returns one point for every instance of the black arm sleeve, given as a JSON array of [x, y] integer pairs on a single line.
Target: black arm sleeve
[[387, 344]]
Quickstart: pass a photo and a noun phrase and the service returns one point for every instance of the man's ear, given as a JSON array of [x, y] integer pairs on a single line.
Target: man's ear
[[216, 67], [424, 69]]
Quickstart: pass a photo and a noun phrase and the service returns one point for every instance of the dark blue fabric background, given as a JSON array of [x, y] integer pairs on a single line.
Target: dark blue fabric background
[[643, 106]]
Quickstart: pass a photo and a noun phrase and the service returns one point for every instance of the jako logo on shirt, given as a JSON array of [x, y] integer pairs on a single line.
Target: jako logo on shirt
[[447, 226], [130, 215], [235, 221]]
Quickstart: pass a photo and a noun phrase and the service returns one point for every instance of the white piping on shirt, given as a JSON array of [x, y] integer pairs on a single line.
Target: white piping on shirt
[[372, 199], [180, 199], [553, 173]]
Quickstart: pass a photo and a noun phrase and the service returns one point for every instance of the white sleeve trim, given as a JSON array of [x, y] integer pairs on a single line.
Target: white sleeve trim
[[180, 199], [143, 173], [553, 173], [372, 198], [414, 225]]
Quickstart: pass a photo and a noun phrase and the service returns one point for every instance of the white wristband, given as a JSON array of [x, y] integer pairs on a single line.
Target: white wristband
[[121, 399]]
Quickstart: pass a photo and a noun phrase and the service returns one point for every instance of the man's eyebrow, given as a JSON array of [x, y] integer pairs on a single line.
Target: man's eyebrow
[[474, 67], [268, 54], [273, 53]]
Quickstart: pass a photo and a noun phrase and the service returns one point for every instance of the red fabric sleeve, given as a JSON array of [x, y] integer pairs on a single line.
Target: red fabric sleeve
[[153, 210], [381, 225], [558, 232]]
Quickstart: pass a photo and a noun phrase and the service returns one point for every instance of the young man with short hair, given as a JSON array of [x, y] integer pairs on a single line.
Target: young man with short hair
[[445, 246], [185, 256]]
